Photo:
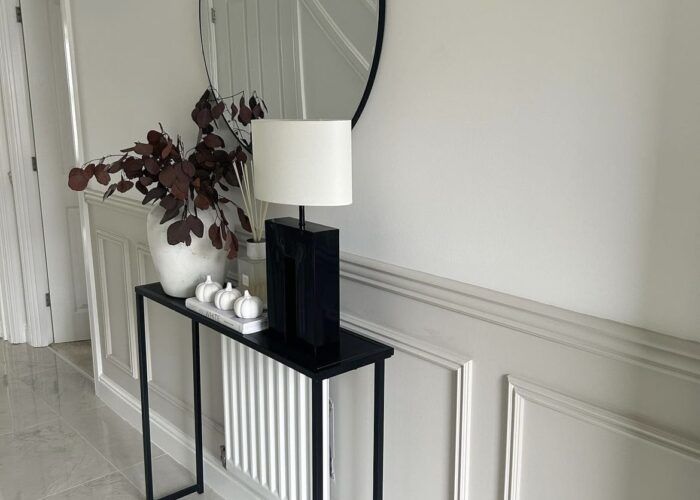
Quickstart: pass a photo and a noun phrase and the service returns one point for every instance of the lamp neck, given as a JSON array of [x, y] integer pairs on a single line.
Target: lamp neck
[[302, 217]]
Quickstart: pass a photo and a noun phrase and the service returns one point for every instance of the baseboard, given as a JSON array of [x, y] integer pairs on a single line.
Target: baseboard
[[177, 444]]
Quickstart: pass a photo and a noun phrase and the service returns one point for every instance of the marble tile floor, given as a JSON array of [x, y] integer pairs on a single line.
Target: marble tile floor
[[59, 441], [79, 353]]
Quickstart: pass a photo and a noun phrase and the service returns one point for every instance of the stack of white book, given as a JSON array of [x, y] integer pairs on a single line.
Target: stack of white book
[[227, 318]]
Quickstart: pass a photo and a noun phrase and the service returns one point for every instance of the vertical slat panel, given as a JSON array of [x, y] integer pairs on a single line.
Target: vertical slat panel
[[252, 414], [303, 412], [292, 486], [282, 428], [271, 427], [243, 405], [261, 398], [268, 421]]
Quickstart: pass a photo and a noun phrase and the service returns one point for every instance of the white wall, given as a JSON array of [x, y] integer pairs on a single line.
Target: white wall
[[546, 149]]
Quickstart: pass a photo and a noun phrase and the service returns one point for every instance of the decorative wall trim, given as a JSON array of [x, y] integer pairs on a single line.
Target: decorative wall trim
[[101, 236], [462, 367], [18, 126], [678, 357], [665, 353], [521, 391]]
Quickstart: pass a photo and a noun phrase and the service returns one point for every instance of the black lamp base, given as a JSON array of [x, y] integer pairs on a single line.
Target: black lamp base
[[303, 283]]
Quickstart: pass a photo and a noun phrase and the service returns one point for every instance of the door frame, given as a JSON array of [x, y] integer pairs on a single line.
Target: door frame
[[79, 155], [25, 186]]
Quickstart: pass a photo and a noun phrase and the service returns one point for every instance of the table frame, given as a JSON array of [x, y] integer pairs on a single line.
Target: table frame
[[316, 403]]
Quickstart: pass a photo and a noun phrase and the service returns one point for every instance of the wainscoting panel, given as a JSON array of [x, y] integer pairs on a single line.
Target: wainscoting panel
[[117, 307], [488, 396], [615, 457]]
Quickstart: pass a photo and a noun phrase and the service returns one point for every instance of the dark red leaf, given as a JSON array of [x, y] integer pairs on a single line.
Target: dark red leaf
[[245, 115], [188, 168], [154, 137], [245, 221], [195, 225], [154, 194], [133, 167], [169, 202], [178, 233], [141, 188], [258, 112], [101, 174], [170, 214], [213, 141], [218, 110], [234, 110], [215, 237], [145, 180], [167, 149], [152, 166], [116, 166], [77, 179], [167, 176], [143, 149], [110, 191], [89, 170], [202, 202], [123, 185], [204, 117]]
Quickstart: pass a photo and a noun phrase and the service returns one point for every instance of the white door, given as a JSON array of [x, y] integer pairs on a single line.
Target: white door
[[48, 87]]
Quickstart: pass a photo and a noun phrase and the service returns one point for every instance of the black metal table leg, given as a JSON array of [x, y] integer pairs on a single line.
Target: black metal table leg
[[197, 406], [143, 379], [317, 439], [378, 430]]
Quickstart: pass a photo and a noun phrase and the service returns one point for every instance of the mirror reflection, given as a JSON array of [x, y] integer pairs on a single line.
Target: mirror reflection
[[305, 59]]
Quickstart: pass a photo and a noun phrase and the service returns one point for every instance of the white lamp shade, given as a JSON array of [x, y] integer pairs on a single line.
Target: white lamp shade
[[303, 162]]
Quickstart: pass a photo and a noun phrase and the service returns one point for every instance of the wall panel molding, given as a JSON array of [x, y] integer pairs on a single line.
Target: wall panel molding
[[666, 353], [101, 237], [462, 367], [521, 391]]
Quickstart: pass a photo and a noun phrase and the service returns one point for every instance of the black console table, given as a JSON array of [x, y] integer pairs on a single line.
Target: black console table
[[355, 352]]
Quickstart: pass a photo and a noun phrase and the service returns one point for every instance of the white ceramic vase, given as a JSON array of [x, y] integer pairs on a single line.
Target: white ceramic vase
[[181, 267], [255, 249]]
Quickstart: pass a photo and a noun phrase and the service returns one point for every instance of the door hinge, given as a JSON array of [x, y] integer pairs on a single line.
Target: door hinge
[[34, 167], [48, 299], [9, 176], [213, 15], [18, 13], [222, 455]]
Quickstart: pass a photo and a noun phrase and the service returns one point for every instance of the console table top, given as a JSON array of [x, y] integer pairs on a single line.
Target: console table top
[[355, 350]]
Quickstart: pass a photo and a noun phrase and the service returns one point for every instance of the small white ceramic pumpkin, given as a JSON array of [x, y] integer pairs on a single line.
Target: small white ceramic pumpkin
[[248, 307], [224, 299], [205, 291]]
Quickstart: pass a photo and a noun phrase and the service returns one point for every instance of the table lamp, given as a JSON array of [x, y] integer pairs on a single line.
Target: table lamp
[[304, 163]]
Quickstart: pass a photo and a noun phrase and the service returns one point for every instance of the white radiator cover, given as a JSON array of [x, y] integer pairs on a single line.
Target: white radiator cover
[[268, 423]]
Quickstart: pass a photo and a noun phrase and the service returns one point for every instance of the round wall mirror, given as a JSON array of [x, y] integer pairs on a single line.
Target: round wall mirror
[[293, 59]]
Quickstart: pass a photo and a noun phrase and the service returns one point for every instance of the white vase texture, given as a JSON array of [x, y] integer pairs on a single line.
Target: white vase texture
[[181, 267]]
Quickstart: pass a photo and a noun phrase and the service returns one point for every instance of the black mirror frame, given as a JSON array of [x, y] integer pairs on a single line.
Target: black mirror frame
[[381, 19]]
